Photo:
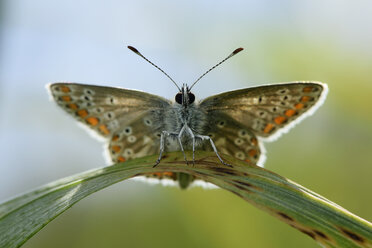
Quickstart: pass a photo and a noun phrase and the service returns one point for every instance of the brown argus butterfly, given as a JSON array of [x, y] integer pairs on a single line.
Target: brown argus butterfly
[[135, 124]]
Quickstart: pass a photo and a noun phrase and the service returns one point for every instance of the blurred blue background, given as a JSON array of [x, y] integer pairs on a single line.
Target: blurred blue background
[[85, 41]]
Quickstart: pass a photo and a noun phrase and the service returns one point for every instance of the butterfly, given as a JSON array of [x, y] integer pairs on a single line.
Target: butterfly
[[136, 124]]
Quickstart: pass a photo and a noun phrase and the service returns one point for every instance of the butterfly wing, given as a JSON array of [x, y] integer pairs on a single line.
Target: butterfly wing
[[264, 111], [130, 120], [232, 138]]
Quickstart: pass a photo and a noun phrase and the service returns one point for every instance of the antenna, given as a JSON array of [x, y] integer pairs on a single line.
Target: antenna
[[157, 67], [236, 51]]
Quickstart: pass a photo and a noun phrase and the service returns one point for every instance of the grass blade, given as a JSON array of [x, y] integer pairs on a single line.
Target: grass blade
[[312, 214]]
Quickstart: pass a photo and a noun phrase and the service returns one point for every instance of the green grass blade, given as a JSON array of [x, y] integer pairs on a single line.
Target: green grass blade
[[319, 218]]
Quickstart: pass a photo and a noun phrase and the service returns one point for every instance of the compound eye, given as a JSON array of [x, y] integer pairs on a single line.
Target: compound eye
[[178, 98], [191, 97]]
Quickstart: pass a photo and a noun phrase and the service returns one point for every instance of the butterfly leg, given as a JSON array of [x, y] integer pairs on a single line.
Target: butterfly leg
[[162, 138], [204, 137], [164, 134], [180, 142], [193, 143], [193, 150]]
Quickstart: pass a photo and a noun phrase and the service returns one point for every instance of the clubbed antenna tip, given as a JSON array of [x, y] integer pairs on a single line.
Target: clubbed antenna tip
[[157, 67], [205, 73], [238, 50], [133, 49]]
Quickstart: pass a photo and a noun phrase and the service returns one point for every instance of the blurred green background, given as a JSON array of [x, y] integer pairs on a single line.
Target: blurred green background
[[84, 41]]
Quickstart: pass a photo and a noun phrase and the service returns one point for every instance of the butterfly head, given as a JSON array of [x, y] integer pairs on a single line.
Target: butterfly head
[[185, 97]]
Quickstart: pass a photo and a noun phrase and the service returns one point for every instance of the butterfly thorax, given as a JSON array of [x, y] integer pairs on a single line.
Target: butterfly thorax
[[186, 114]]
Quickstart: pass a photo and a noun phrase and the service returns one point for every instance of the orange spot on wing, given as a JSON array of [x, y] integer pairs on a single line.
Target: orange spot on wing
[[252, 152], [116, 149], [115, 138], [66, 98], [161, 175], [280, 119], [65, 89], [82, 113], [104, 130], [72, 106], [290, 112], [299, 106], [254, 141], [92, 121], [268, 128], [307, 89], [168, 174], [305, 98], [248, 161], [121, 159]]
